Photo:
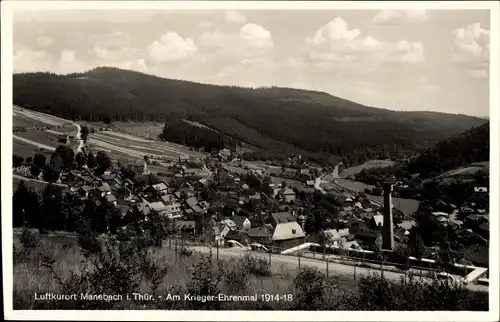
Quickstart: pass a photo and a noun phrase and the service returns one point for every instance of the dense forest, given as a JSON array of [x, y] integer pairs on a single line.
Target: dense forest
[[278, 121], [461, 150]]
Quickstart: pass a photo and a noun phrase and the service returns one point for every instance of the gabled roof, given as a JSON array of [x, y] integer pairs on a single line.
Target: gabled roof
[[366, 233], [167, 198], [157, 206], [110, 176], [239, 220], [407, 224], [334, 234], [185, 225], [86, 188], [192, 201], [228, 222], [379, 220], [439, 214], [283, 217], [110, 198], [288, 191], [104, 187], [160, 186], [288, 230], [259, 232]]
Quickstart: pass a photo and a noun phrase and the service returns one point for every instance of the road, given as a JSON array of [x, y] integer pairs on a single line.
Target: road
[[333, 268]]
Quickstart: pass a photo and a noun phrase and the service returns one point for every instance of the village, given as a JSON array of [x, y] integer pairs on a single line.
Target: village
[[216, 201]]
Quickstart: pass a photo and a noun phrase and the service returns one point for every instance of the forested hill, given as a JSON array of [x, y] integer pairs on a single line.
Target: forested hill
[[461, 150], [276, 120]]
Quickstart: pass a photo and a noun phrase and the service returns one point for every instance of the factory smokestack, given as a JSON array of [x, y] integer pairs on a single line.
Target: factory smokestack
[[387, 228]]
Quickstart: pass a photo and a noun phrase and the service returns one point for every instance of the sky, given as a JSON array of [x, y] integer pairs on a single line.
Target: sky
[[415, 60]]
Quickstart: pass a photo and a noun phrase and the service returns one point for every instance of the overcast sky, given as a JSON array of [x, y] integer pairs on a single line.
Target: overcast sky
[[401, 60]]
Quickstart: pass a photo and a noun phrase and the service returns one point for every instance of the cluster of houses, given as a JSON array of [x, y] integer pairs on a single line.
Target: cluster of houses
[[358, 225]]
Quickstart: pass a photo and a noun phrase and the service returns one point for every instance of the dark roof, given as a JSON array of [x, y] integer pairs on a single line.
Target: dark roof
[[185, 224], [192, 201], [282, 217], [367, 234], [477, 254], [110, 198], [258, 232], [104, 187], [235, 234], [477, 217], [108, 176]]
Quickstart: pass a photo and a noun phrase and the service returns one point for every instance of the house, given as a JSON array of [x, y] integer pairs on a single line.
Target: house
[[287, 195], [288, 173], [255, 196], [108, 177], [407, 224], [440, 216], [355, 225], [83, 191], [333, 237], [160, 188], [103, 190], [111, 199], [377, 221], [276, 191], [260, 235], [287, 235], [305, 171], [223, 175], [158, 206], [239, 236], [229, 223], [63, 139], [186, 227], [129, 183], [192, 204], [310, 183], [173, 210], [143, 207], [167, 199], [242, 223], [477, 255], [367, 236]]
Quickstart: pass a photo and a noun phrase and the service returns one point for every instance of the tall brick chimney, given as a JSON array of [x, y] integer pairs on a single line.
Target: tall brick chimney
[[387, 229]]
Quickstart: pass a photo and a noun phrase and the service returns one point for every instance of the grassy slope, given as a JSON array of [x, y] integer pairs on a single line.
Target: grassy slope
[[30, 277]]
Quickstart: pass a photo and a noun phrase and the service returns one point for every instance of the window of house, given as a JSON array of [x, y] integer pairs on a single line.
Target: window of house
[[293, 231]]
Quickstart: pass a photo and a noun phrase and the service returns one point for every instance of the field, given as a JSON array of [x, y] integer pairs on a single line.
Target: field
[[147, 130], [129, 147], [370, 164], [41, 137], [20, 120], [466, 171], [37, 185], [43, 132], [26, 150]]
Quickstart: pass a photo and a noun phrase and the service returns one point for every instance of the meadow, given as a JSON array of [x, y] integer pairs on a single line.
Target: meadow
[[367, 165]]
